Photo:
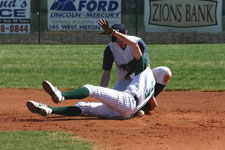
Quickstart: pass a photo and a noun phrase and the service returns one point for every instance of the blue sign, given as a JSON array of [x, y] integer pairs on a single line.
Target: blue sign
[[82, 14]]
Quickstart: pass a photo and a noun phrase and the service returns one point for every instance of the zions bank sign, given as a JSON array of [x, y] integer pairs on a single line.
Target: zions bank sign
[[184, 14], [82, 14]]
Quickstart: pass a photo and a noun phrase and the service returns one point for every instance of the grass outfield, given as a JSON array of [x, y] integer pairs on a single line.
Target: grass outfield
[[44, 140], [194, 66]]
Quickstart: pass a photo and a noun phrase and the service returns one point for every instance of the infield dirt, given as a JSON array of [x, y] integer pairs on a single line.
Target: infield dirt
[[183, 120]]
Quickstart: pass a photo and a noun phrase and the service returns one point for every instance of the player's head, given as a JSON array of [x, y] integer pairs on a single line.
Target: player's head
[[122, 29]]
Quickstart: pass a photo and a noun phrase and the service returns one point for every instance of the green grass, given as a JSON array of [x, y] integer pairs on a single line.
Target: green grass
[[44, 140], [194, 66], [68, 66]]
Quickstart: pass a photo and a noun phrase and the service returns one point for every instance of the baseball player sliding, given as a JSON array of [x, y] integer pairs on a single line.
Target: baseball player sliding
[[112, 103]]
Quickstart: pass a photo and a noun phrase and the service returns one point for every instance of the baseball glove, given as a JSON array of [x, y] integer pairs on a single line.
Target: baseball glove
[[130, 67], [105, 26]]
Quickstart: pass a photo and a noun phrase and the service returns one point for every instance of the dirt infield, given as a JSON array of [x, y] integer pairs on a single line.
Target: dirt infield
[[183, 120]]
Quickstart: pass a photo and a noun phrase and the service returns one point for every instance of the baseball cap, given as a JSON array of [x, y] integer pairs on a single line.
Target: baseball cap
[[120, 28]]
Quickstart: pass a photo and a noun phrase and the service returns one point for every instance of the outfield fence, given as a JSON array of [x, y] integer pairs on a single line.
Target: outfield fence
[[132, 14]]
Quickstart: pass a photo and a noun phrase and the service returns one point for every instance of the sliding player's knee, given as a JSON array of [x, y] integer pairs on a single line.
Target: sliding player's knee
[[89, 87], [167, 75], [162, 75]]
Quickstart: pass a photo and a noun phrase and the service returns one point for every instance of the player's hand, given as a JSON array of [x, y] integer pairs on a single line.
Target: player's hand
[[150, 106], [105, 26]]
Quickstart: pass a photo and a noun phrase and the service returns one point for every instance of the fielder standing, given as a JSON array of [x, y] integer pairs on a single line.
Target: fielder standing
[[121, 53]]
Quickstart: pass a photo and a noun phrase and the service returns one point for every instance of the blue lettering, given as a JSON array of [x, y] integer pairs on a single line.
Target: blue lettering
[[90, 27], [91, 6], [7, 3], [102, 5], [24, 4], [53, 27], [14, 13], [113, 5], [12, 3], [102, 15], [5, 13], [69, 27], [81, 5], [65, 15], [19, 13]]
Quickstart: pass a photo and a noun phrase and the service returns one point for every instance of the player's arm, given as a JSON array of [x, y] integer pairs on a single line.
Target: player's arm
[[107, 63], [105, 78], [132, 43]]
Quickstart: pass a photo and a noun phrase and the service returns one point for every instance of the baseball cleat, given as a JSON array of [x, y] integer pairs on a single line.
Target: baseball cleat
[[53, 92], [39, 108]]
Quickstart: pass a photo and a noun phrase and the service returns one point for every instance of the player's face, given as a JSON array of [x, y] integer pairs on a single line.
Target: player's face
[[121, 44]]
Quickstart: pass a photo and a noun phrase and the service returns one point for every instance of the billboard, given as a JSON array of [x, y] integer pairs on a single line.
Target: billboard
[[82, 14], [183, 15], [14, 16]]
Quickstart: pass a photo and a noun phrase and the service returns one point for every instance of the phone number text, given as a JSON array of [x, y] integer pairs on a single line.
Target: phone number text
[[14, 28]]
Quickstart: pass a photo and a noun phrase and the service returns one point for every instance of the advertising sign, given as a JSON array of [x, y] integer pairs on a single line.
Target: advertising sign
[[82, 14], [183, 16], [14, 16]]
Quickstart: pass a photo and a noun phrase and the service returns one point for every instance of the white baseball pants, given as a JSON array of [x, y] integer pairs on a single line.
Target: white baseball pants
[[113, 103]]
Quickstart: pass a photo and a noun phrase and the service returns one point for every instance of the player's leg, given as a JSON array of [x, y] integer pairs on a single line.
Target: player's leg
[[58, 96], [81, 108], [39, 108], [45, 110], [97, 109], [86, 108], [66, 110], [162, 76], [123, 103]]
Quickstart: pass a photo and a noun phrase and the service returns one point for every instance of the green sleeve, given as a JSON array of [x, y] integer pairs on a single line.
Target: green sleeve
[[141, 64]]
